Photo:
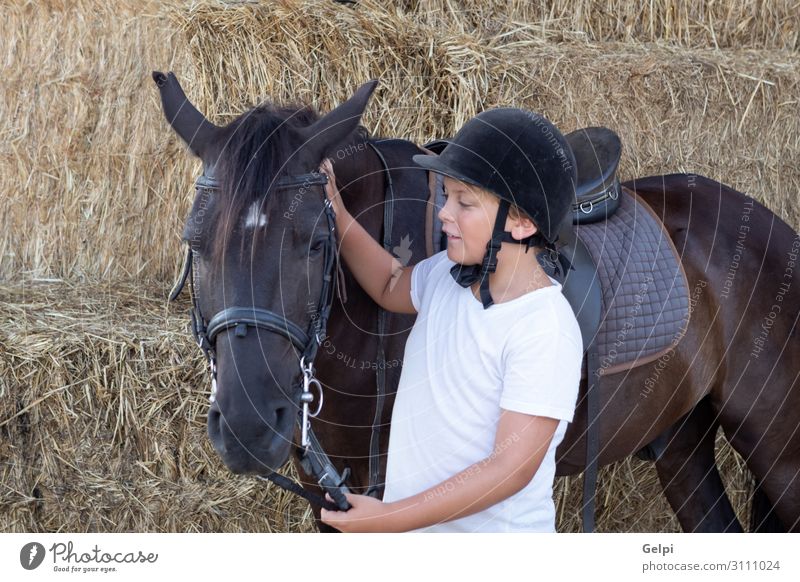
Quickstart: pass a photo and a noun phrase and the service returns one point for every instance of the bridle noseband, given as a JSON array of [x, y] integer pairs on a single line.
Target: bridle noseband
[[239, 319]]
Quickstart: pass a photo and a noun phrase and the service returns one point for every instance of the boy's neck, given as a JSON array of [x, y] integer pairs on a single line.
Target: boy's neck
[[517, 273]]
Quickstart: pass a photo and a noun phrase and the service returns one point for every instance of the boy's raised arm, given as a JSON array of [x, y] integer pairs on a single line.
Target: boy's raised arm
[[380, 274]]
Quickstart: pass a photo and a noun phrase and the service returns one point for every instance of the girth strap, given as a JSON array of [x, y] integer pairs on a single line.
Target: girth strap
[[592, 436]]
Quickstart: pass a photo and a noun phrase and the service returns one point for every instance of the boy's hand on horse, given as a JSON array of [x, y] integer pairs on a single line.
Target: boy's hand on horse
[[331, 191], [380, 274]]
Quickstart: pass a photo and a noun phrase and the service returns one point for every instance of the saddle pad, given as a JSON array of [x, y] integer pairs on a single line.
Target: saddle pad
[[645, 291]]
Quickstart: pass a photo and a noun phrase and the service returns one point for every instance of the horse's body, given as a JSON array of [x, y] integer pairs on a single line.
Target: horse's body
[[712, 378], [721, 373]]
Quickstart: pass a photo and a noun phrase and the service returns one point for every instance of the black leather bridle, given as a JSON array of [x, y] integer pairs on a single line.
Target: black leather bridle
[[239, 319]]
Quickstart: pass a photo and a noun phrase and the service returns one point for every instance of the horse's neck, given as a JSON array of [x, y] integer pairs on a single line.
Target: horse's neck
[[361, 174]]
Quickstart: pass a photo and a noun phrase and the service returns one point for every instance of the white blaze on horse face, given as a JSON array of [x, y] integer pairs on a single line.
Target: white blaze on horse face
[[255, 218]]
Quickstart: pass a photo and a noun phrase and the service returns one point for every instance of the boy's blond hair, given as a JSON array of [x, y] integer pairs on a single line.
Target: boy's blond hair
[[514, 211]]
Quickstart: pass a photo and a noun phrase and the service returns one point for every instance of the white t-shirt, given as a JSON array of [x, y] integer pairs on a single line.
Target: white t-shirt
[[462, 364]]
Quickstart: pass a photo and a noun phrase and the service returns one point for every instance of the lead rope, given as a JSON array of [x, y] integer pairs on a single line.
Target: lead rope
[[292, 487]]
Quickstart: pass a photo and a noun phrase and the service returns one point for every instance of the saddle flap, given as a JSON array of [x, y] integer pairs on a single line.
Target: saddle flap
[[581, 285]]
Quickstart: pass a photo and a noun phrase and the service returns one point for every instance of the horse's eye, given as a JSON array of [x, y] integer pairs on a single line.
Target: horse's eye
[[318, 245]]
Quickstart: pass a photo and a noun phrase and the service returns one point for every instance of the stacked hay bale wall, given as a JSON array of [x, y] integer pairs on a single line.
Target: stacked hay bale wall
[[95, 185], [103, 394]]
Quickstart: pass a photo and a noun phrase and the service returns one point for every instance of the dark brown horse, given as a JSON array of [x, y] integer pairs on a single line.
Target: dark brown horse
[[257, 244]]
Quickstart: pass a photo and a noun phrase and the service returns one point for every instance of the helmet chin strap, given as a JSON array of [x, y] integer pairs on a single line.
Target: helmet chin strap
[[466, 275]]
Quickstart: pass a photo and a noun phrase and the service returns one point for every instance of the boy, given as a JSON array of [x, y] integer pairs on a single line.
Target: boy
[[492, 365]]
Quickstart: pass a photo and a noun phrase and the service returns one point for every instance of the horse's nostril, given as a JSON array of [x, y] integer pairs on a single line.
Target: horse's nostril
[[280, 418], [215, 429]]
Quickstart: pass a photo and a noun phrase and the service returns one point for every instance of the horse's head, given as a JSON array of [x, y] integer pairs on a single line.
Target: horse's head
[[262, 252]]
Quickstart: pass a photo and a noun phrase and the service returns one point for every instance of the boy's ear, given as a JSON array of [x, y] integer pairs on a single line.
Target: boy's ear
[[521, 227]]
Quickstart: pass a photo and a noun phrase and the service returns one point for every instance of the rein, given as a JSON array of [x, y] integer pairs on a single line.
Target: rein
[[380, 375], [239, 319]]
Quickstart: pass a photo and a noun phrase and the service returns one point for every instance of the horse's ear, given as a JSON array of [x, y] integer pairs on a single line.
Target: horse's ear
[[338, 124], [199, 134]]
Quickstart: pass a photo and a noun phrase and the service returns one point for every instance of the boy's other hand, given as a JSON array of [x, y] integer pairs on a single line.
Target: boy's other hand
[[366, 515]]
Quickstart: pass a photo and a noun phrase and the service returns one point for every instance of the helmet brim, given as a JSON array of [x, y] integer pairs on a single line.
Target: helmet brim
[[435, 164]]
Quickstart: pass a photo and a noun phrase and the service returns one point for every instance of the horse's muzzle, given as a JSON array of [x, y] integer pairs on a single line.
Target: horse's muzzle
[[254, 443]]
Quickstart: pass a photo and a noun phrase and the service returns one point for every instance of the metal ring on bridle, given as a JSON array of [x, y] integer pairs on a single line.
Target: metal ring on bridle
[[314, 381]]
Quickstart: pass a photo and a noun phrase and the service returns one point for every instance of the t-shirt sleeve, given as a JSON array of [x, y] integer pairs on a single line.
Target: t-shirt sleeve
[[542, 372], [421, 274]]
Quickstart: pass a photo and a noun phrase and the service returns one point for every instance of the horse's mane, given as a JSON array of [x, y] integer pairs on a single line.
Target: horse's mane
[[259, 143]]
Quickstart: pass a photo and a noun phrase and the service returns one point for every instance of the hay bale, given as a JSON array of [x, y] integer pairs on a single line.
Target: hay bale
[[730, 116], [629, 497], [102, 421], [771, 24], [84, 159]]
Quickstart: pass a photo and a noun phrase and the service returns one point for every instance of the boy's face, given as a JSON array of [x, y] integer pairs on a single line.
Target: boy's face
[[468, 219]]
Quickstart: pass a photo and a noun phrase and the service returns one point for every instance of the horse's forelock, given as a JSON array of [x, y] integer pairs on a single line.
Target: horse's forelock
[[259, 143]]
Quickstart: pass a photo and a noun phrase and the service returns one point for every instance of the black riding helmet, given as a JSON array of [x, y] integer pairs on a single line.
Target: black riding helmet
[[523, 159]]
